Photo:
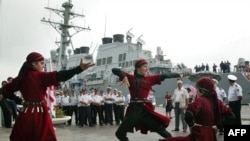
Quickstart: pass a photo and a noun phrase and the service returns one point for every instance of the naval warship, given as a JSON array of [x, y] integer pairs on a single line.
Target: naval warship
[[120, 52], [116, 53]]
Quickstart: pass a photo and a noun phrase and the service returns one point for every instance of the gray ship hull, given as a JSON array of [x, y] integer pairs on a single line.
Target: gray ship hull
[[170, 84]]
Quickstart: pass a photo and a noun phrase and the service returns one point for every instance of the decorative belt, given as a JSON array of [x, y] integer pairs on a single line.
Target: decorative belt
[[200, 125], [139, 100], [35, 105]]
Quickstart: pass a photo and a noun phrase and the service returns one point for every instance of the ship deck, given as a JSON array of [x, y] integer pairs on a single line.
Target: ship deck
[[107, 133]]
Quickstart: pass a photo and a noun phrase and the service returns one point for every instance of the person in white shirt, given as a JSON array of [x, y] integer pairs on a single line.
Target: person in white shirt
[[59, 96], [102, 104], [180, 101], [120, 105], [221, 94], [92, 93], [97, 107], [74, 107], [128, 99], [151, 97], [85, 108], [115, 110], [109, 100], [80, 109], [234, 97], [66, 105]]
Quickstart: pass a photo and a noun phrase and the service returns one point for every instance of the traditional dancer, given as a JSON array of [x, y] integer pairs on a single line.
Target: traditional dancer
[[34, 122], [140, 113], [205, 115]]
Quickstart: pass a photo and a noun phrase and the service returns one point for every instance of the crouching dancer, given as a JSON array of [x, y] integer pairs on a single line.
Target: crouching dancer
[[140, 114], [205, 115]]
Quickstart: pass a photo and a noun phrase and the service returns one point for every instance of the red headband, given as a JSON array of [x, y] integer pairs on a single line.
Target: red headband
[[140, 62], [34, 57], [205, 83]]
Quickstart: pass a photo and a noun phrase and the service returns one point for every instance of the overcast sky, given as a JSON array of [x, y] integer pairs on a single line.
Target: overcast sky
[[189, 31]]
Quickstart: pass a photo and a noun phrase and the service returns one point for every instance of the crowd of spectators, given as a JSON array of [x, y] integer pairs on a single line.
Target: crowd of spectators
[[224, 67]]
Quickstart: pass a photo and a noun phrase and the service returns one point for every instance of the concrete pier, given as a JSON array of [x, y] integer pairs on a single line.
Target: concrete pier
[[107, 133]]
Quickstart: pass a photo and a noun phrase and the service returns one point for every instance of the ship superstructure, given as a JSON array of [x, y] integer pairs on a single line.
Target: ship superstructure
[[117, 52]]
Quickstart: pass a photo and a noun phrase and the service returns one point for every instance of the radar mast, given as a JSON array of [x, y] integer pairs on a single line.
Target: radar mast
[[63, 29]]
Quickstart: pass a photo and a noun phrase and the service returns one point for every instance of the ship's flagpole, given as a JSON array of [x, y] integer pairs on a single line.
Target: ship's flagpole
[[1, 28], [105, 25], [1, 46]]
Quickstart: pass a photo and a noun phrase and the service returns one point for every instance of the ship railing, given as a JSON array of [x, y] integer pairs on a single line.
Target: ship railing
[[94, 82], [1, 115]]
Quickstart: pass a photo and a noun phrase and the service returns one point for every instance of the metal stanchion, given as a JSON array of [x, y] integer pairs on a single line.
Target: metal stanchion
[[1, 114]]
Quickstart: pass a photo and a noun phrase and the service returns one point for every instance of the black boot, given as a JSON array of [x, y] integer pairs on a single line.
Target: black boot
[[121, 137], [125, 139], [164, 133]]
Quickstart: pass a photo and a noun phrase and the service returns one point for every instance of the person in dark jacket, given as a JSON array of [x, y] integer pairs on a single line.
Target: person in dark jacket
[[13, 100], [7, 111], [140, 114]]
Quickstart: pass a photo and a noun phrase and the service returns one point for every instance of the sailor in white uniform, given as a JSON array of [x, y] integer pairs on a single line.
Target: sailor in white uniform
[[97, 108], [221, 94], [235, 97], [120, 105], [66, 105], [108, 102], [73, 99]]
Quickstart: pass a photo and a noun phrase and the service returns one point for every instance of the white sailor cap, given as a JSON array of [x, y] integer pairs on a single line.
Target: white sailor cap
[[232, 77], [216, 81], [109, 88]]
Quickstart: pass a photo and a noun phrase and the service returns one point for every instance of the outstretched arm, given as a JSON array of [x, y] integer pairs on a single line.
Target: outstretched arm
[[122, 76], [67, 74], [189, 118], [170, 75]]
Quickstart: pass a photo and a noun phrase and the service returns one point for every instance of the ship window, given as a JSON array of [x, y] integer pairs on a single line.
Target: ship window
[[134, 62], [103, 61], [120, 57], [99, 62], [124, 57], [109, 60], [126, 64]]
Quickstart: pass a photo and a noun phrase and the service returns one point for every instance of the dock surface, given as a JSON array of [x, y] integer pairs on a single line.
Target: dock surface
[[107, 132]]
